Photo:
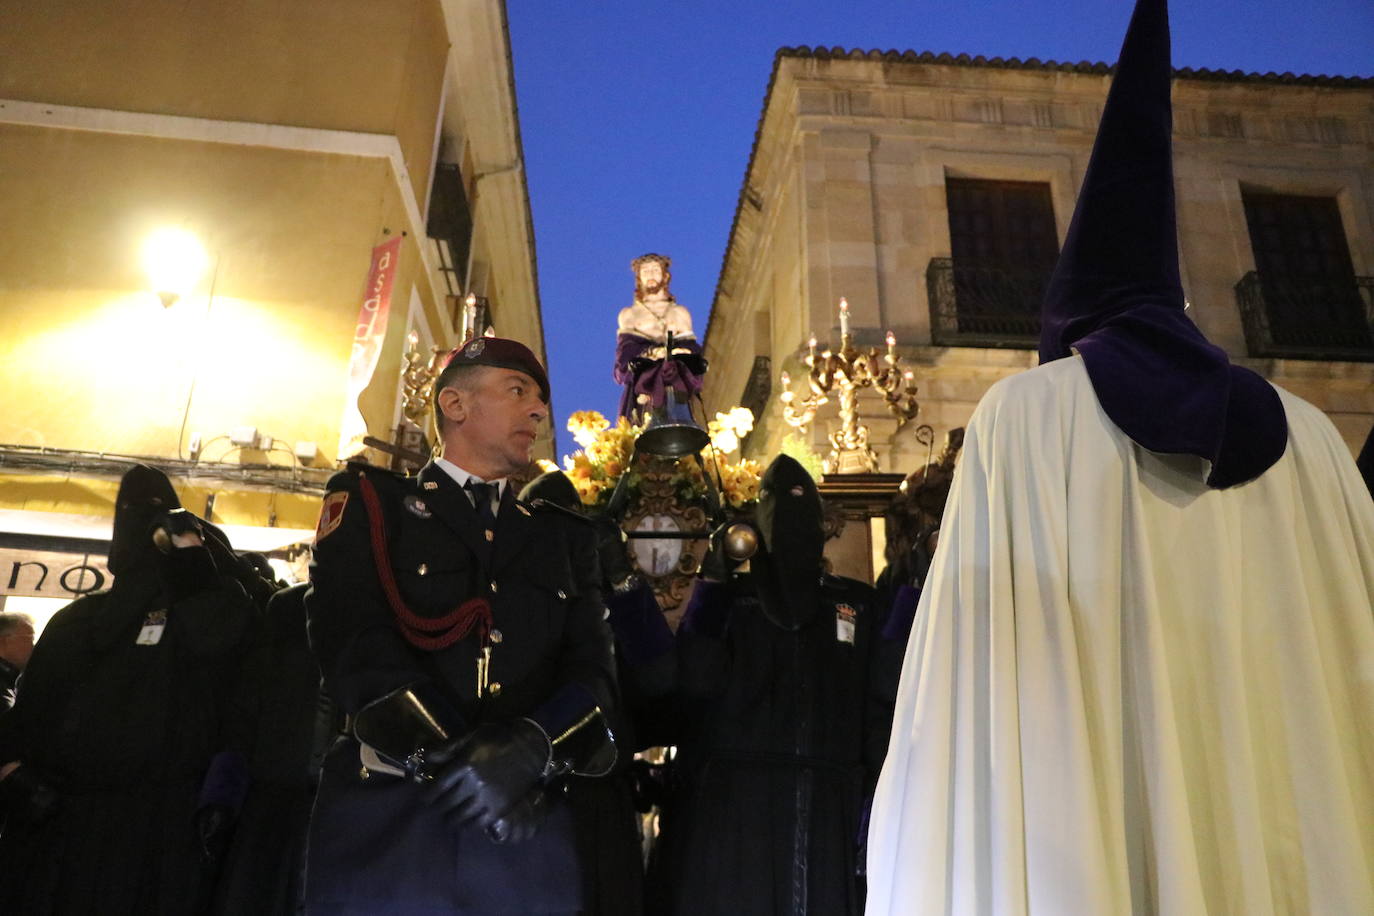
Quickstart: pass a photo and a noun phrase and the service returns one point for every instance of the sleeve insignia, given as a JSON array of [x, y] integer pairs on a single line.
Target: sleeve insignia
[[331, 515]]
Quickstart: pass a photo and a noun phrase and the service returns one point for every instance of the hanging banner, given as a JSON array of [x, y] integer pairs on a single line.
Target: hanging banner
[[367, 343]]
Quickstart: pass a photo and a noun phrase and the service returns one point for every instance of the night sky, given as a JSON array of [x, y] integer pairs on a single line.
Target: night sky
[[638, 118]]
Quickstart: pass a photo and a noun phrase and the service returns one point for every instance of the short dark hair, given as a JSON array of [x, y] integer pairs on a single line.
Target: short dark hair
[[460, 375]]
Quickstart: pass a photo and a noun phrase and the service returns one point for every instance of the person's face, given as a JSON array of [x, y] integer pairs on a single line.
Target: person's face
[[16, 646], [495, 423], [651, 276]]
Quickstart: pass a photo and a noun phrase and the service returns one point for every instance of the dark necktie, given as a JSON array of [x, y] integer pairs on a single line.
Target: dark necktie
[[483, 500]]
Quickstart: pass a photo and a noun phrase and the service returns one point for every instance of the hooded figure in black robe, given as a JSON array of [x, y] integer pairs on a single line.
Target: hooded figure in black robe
[[785, 725], [130, 729]]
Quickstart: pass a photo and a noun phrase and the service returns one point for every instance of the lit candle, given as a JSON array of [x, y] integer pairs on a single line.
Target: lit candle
[[910, 380], [891, 347], [786, 379], [844, 317]]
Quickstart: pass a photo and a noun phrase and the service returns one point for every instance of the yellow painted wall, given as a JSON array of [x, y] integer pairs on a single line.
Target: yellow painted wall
[[89, 359], [96, 497], [364, 65]]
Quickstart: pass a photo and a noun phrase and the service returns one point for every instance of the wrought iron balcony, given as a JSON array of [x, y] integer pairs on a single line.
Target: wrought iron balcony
[[1302, 318], [981, 304]]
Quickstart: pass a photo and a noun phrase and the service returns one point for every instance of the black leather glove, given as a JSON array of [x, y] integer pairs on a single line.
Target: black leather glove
[[489, 771], [523, 821], [214, 827], [617, 573], [26, 798], [717, 565], [171, 523]]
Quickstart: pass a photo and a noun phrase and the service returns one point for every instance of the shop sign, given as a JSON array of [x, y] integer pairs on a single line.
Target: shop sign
[[51, 574]]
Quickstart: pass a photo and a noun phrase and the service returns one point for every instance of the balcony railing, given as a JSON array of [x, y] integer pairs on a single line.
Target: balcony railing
[[978, 304], [1301, 318]]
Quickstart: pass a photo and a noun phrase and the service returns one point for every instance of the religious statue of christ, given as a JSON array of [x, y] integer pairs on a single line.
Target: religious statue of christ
[[643, 363]]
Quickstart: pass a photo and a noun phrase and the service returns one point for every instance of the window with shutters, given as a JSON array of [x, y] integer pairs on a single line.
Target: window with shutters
[[1303, 299], [1004, 246]]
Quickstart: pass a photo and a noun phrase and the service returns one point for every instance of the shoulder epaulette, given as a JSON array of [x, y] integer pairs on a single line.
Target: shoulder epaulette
[[347, 479]]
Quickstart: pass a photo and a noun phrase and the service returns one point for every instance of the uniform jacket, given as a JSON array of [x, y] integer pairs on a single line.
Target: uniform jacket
[[375, 845]]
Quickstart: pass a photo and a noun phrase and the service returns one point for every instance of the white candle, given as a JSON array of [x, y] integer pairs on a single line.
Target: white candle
[[844, 317]]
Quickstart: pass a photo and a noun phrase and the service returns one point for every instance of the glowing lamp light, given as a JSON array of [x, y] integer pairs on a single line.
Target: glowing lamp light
[[175, 261]]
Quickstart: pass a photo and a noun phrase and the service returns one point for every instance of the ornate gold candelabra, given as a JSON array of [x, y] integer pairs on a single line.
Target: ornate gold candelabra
[[846, 372], [417, 379]]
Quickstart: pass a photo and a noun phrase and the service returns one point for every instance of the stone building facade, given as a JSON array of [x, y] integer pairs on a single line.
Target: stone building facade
[[933, 193]]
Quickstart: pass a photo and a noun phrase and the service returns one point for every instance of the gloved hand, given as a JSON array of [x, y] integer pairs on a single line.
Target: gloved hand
[[523, 821], [176, 528], [489, 771], [717, 565], [214, 827], [26, 798], [616, 570]]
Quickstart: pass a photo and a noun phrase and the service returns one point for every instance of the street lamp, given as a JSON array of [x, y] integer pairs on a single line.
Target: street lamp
[[175, 261]]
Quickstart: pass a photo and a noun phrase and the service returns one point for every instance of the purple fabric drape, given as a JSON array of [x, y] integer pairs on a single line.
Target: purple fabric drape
[[641, 375]]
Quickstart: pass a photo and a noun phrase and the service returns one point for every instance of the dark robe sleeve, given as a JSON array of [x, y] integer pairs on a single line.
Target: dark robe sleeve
[[586, 667]]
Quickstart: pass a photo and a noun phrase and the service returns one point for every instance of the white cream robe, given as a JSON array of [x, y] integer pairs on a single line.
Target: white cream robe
[[1125, 693]]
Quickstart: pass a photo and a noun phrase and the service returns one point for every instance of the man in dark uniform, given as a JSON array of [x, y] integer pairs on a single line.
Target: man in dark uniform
[[464, 635]]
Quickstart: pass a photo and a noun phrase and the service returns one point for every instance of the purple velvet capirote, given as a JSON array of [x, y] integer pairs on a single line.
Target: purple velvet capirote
[[1116, 297]]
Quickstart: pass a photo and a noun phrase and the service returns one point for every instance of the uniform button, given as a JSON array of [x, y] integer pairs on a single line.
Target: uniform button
[[421, 570], [495, 637], [494, 688], [493, 586], [562, 594]]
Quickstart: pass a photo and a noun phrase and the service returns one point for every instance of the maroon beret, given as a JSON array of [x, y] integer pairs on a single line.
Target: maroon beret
[[501, 353]]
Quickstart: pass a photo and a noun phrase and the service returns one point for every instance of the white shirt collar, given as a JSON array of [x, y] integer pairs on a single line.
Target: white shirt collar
[[462, 476]]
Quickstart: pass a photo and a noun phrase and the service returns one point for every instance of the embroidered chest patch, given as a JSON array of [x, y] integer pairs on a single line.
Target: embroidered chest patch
[[844, 623], [416, 506], [331, 515]]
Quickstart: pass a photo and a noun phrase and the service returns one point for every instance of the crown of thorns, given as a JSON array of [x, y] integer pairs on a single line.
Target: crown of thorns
[[661, 259]]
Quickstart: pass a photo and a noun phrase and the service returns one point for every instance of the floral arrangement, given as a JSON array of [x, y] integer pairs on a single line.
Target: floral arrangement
[[607, 450]]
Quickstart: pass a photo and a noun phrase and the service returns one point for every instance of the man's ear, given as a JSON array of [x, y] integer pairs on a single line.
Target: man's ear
[[452, 405]]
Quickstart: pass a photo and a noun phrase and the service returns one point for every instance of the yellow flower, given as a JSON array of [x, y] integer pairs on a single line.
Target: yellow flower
[[585, 425], [741, 482]]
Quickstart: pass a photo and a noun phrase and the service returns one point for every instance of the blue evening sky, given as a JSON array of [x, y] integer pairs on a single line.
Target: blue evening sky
[[638, 118]]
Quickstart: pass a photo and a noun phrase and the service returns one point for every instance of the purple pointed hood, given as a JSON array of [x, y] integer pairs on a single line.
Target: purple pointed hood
[[1116, 297]]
